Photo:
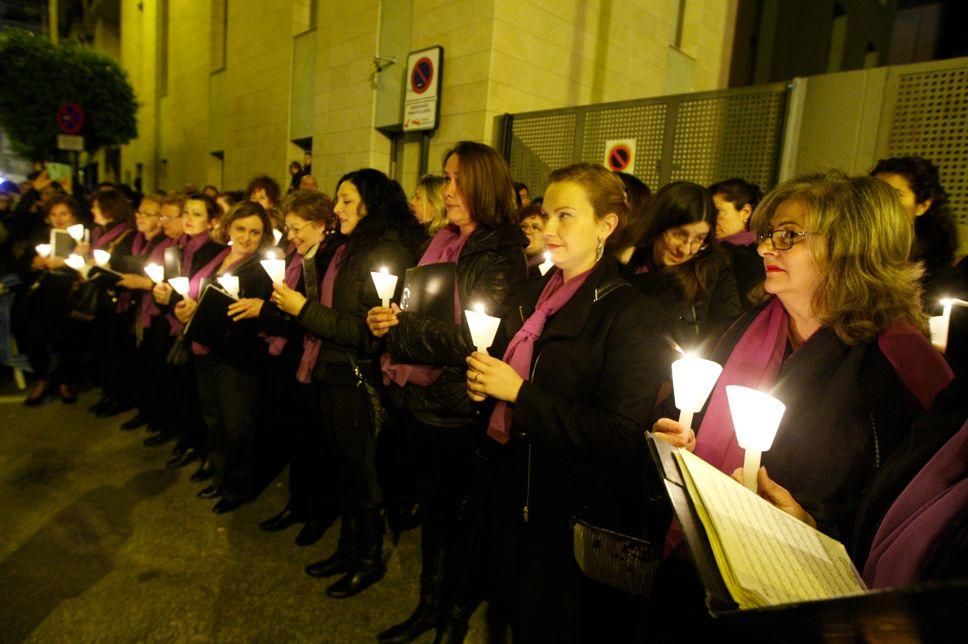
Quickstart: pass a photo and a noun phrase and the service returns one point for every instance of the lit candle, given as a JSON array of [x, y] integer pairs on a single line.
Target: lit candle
[[76, 232], [43, 250], [546, 265], [155, 272], [230, 283], [939, 324], [101, 257], [693, 379], [276, 268], [180, 284], [756, 417], [277, 235], [385, 284], [75, 261], [483, 327]]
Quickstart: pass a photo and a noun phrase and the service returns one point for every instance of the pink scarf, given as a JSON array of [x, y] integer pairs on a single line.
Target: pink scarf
[[148, 307], [445, 247], [742, 238], [555, 295], [311, 345], [756, 360], [909, 532], [104, 237], [293, 274]]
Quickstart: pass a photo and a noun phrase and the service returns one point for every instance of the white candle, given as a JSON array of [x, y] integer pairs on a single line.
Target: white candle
[[940, 324], [546, 265], [385, 284], [230, 283], [756, 417], [483, 327], [693, 379], [277, 235], [87, 236], [43, 249], [180, 284], [76, 232], [102, 257], [75, 261], [155, 272], [276, 268]]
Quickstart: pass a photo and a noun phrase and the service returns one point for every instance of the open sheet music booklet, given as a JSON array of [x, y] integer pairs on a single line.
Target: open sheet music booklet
[[765, 556]]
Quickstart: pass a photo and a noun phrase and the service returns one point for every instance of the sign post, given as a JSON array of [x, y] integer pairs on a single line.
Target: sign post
[[70, 120], [421, 103]]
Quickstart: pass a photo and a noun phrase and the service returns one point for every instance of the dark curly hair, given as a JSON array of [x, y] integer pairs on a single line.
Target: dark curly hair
[[935, 230], [738, 192], [386, 208]]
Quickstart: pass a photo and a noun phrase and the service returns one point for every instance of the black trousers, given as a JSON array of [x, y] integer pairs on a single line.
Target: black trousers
[[348, 434], [231, 401], [114, 344], [292, 420]]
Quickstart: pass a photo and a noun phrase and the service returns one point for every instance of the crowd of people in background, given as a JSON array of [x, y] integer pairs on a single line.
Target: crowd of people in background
[[390, 417]]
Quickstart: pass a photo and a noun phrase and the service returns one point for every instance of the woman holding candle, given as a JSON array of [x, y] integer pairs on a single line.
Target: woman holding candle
[[379, 232], [292, 401], [576, 384], [191, 226], [681, 264], [113, 234], [735, 200], [47, 330], [425, 367], [230, 375], [841, 343]]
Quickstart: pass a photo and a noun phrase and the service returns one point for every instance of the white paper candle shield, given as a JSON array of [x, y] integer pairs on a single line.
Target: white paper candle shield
[[939, 331], [692, 380], [230, 283], [546, 265], [76, 232], [102, 257], [276, 268], [155, 272], [483, 327], [385, 284], [43, 249], [180, 284], [277, 235], [756, 417], [75, 261]]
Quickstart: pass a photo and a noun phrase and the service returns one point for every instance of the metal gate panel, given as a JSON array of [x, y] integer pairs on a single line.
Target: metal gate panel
[[728, 136], [930, 119], [540, 143], [645, 123]]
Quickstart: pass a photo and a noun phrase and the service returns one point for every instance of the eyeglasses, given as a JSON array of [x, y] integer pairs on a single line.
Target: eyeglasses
[[695, 244], [782, 239], [169, 217], [142, 213]]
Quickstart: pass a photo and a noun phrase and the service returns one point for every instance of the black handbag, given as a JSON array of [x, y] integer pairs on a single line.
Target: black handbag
[[379, 416], [82, 301], [178, 354]]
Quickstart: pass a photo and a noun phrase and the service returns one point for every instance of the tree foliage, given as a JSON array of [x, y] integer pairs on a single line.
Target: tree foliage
[[36, 77]]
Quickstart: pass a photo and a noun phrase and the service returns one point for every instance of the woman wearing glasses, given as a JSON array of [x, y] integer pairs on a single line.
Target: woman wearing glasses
[[841, 343], [682, 266]]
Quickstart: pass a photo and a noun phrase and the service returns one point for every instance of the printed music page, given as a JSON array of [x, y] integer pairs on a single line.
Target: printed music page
[[765, 556]]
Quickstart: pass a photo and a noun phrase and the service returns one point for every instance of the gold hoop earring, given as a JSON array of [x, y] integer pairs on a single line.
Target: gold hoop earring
[[600, 249]]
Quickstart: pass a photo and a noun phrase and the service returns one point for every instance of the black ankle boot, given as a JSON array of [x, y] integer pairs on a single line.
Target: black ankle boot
[[453, 624], [423, 619], [341, 561], [368, 567]]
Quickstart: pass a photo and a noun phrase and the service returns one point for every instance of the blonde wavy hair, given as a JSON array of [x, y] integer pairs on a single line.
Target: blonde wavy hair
[[867, 281], [432, 187]]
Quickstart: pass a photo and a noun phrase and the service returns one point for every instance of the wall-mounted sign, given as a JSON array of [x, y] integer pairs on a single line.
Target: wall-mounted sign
[[71, 142], [421, 103], [620, 155], [70, 118]]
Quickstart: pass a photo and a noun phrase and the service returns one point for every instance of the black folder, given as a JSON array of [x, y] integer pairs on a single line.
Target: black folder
[[211, 324], [929, 612], [104, 275], [429, 290], [173, 262]]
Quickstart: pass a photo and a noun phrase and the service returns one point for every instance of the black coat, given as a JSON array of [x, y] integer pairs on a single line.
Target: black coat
[[242, 346], [748, 270], [491, 267], [343, 328], [711, 314]]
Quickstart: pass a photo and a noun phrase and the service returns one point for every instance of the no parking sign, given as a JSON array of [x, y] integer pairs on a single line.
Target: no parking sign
[[620, 155], [421, 102]]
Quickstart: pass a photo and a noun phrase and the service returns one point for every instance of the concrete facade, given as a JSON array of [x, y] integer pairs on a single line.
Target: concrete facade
[[223, 119]]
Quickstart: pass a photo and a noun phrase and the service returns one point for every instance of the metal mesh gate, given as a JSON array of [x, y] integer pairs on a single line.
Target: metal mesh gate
[[930, 119], [700, 137]]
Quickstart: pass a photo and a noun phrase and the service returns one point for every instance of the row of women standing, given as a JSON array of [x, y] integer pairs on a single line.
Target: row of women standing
[[507, 451]]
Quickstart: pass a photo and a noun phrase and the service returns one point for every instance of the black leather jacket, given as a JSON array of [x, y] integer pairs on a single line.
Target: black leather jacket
[[491, 267]]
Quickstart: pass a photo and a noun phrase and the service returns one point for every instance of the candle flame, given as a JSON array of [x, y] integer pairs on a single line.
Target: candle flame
[[384, 270], [477, 306], [271, 254], [547, 255]]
